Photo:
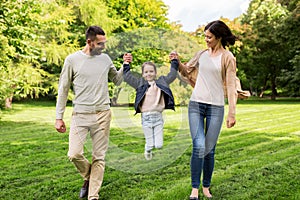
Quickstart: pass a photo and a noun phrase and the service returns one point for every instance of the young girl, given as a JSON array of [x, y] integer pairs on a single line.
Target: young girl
[[152, 97]]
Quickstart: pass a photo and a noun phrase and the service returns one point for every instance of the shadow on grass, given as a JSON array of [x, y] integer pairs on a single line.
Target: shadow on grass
[[126, 150]]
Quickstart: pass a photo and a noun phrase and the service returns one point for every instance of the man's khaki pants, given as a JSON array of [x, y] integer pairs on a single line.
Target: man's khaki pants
[[98, 125]]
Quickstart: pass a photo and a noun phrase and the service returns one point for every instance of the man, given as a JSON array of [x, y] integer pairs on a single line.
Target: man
[[88, 71]]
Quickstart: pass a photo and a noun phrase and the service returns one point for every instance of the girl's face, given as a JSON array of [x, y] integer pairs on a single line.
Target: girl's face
[[149, 73], [211, 40]]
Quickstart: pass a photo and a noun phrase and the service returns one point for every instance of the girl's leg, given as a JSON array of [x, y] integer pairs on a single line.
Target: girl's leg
[[159, 136], [158, 131], [148, 131]]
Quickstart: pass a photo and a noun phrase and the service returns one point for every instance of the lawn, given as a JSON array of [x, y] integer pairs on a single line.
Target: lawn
[[257, 159]]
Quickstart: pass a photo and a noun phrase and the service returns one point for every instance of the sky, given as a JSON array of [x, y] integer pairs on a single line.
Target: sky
[[192, 13]]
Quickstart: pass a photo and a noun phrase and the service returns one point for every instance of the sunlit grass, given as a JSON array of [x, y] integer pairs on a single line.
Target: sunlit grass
[[257, 159]]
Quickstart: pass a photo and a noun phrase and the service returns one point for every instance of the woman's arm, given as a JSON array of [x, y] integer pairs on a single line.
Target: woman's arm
[[231, 89], [189, 70]]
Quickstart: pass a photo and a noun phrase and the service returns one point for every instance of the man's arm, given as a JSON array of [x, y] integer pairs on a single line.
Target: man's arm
[[62, 97], [124, 72], [114, 75], [129, 78], [117, 76]]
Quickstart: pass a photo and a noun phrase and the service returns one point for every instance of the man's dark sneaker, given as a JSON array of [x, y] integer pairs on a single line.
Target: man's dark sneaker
[[84, 191]]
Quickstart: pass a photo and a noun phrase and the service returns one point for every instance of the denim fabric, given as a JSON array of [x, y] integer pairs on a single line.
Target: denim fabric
[[205, 121], [153, 123]]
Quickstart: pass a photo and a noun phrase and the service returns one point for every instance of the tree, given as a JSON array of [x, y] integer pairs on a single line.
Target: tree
[[20, 72], [5, 83], [289, 34], [263, 52], [135, 14]]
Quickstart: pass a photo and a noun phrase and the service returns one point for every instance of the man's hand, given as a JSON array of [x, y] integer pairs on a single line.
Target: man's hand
[[127, 58], [60, 125]]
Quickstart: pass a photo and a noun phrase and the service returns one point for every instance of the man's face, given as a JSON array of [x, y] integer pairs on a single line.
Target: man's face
[[97, 45]]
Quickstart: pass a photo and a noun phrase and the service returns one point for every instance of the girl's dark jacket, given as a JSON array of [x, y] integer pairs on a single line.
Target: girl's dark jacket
[[141, 85]]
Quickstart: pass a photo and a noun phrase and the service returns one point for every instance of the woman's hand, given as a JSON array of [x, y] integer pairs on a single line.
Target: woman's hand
[[173, 55], [230, 122]]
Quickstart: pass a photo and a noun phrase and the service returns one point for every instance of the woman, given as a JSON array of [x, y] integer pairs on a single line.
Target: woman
[[216, 79]]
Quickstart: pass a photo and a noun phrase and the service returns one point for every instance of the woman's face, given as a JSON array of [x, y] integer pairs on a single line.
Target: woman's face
[[211, 40]]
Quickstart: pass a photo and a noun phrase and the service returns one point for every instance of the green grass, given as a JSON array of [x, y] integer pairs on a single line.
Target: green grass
[[257, 159]]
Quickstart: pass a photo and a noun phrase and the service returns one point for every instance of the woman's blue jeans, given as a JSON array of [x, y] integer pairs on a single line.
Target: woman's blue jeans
[[205, 122]]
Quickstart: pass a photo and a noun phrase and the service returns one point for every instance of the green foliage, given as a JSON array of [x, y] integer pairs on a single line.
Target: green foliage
[[291, 5], [264, 52], [95, 12], [289, 34], [290, 79], [5, 85], [271, 46], [136, 14], [38, 35], [152, 44], [20, 72], [29, 81], [55, 36], [19, 26]]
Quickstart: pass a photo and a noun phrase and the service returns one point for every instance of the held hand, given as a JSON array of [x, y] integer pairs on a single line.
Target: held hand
[[230, 122], [60, 125], [173, 55], [127, 58]]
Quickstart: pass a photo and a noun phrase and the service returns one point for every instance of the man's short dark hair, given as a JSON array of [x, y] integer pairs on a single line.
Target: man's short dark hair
[[93, 31]]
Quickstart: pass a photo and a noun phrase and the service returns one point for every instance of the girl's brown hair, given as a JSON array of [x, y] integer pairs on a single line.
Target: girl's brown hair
[[148, 63]]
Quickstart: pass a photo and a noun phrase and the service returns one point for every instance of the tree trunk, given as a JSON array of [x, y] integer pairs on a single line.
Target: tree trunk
[[114, 99], [8, 102], [274, 90], [264, 88]]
